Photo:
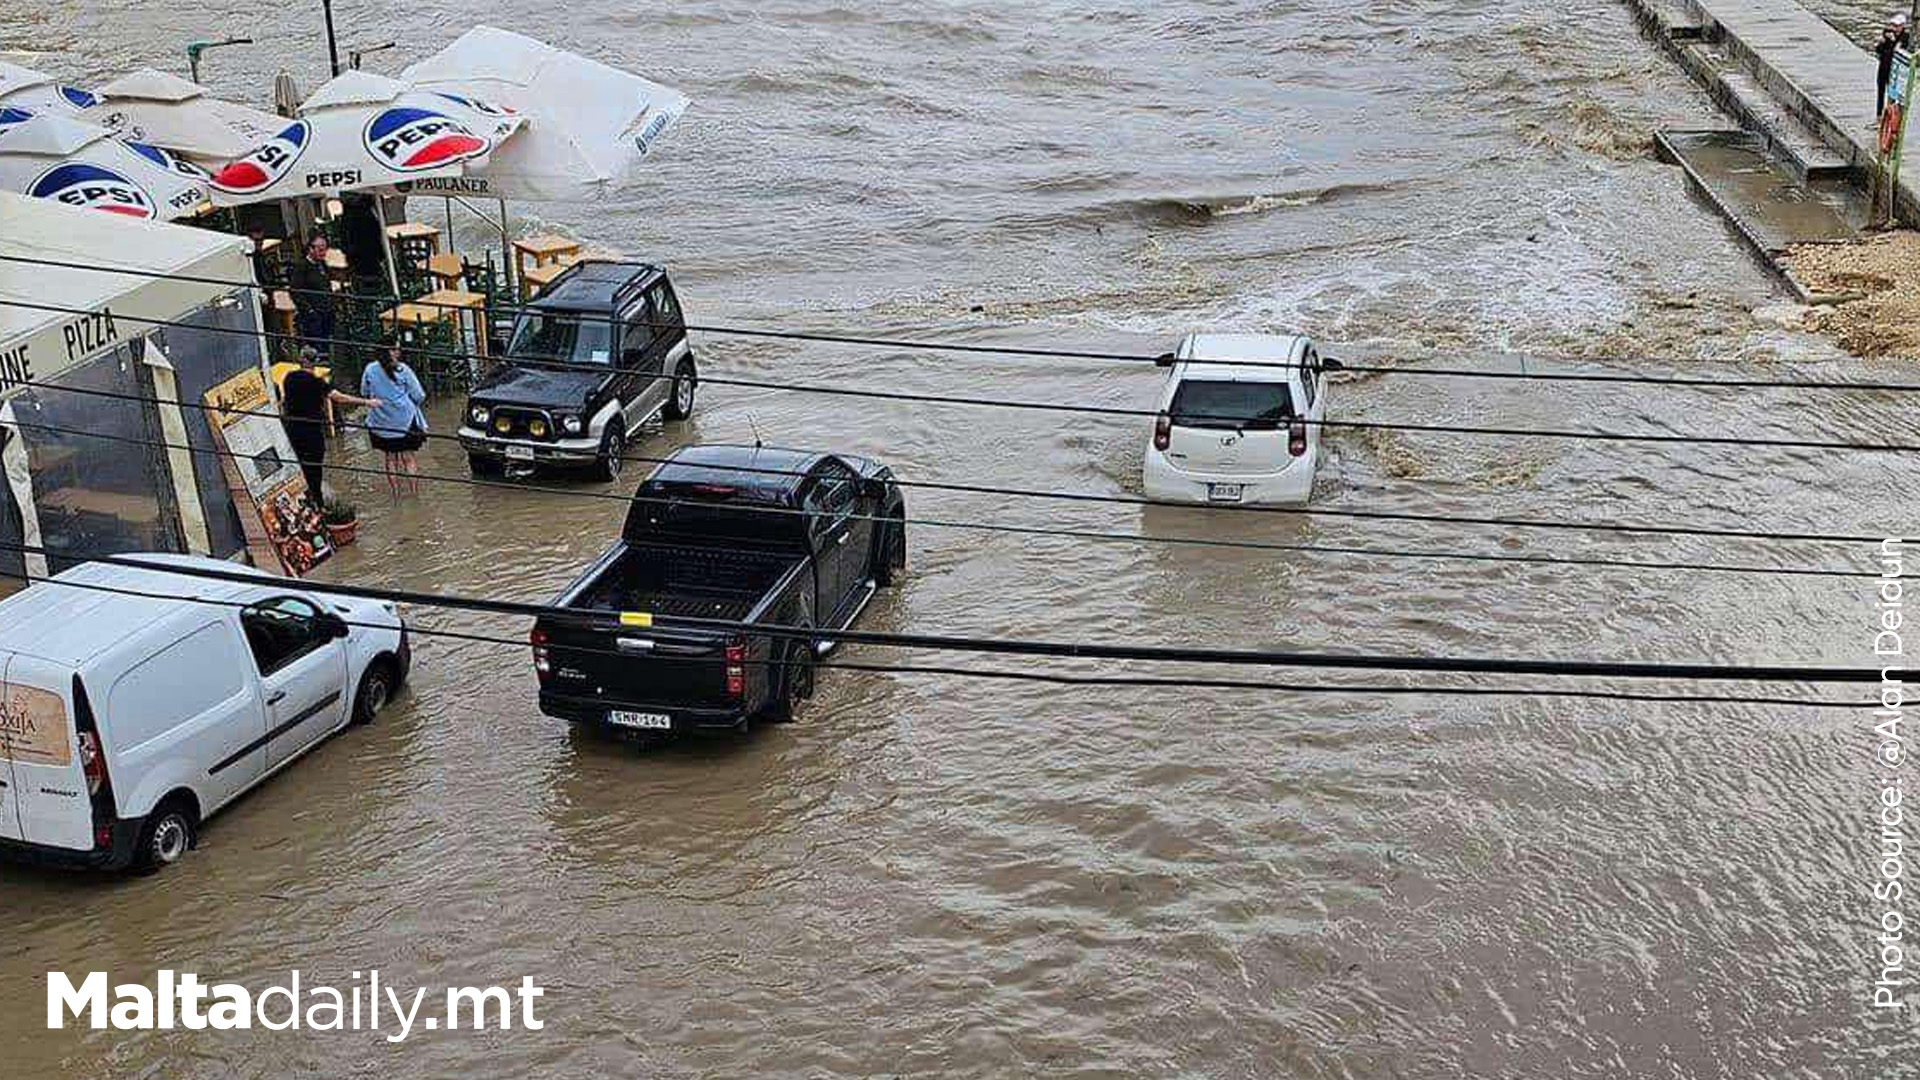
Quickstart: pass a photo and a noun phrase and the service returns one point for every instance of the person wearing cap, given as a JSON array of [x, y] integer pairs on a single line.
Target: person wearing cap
[[305, 404], [1895, 36]]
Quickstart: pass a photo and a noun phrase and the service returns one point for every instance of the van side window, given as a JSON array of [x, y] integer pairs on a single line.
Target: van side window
[[282, 630], [666, 307], [190, 677], [636, 336]]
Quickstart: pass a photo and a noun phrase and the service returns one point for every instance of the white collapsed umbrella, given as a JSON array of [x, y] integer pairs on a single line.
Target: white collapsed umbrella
[[587, 124], [25, 88], [58, 157], [362, 131], [167, 111]]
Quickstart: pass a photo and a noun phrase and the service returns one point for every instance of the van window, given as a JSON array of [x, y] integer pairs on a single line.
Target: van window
[[282, 630], [1234, 406], [185, 680]]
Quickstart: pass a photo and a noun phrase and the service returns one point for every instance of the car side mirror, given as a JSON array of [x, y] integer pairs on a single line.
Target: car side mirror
[[1331, 364], [336, 627], [1165, 359]]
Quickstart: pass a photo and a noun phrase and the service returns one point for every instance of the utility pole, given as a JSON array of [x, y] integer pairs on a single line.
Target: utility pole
[[333, 48]]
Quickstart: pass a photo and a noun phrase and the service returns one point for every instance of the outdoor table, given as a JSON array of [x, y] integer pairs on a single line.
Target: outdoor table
[[280, 315], [531, 253], [534, 280], [449, 271], [415, 230]]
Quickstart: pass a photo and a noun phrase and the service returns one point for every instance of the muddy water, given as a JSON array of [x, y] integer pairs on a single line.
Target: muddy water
[[937, 875]]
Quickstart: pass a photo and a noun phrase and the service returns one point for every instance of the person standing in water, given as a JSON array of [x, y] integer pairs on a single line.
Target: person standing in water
[[397, 427], [1893, 38], [304, 412]]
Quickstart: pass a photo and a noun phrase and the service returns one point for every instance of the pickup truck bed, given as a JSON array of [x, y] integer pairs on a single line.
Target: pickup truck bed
[[686, 581]]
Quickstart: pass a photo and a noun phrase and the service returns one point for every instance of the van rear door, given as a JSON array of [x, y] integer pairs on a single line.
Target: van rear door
[[38, 739], [1230, 427], [9, 786]]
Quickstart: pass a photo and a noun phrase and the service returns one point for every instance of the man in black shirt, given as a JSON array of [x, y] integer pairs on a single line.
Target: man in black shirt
[[304, 397], [1895, 36], [313, 296]]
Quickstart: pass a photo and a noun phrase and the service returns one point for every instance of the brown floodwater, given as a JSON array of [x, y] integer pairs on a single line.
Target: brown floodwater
[[937, 875]]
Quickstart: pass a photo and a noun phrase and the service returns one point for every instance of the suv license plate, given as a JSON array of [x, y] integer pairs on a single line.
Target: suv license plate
[[1224, 492], [622, 718], [519, 453]]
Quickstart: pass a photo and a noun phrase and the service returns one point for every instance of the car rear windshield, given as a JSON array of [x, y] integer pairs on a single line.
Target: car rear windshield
[[1217, 403], [561, 336]]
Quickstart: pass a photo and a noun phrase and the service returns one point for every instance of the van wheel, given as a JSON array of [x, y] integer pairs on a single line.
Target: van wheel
[[376, 689], [796, 687], [686, 380], [168, 835], [613, 449], [890, 554]]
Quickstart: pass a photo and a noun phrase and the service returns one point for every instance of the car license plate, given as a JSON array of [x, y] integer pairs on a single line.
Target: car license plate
[[1224, 492], [622, 718], [519, 453]]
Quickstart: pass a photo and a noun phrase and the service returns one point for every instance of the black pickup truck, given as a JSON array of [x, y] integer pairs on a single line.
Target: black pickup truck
[[601, 351], [740, 535]]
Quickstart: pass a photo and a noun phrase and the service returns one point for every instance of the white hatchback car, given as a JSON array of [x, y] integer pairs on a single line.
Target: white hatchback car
[[1238, 420]]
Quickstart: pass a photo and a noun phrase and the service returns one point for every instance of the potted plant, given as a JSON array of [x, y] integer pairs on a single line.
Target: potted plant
[[342, 521]]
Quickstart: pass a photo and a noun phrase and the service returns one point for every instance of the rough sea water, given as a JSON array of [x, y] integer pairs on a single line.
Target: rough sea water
[[942, 876]]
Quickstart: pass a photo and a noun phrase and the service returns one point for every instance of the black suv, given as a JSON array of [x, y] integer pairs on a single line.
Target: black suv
[[600, 352]]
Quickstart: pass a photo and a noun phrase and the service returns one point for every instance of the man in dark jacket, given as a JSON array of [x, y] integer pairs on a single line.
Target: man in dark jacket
[[313, 296], [1894, 37]]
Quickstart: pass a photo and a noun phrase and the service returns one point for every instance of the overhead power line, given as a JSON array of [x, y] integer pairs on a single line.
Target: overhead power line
[[1092, 410], [1020, 530], [1097, 650], [1054, 678], [1629, 528], [971, 348]]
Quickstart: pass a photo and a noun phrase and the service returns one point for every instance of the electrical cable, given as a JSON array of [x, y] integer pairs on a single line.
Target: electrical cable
[[493, 310], [1006, 646], [1018, 676], [1745, 441], [1019, 530]]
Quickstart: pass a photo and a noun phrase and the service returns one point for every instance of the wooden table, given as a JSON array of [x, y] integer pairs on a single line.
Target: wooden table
[[535, 281], [414, 230], [133, 508], [280, 315], [531, 253], [467, 311], [449, 271]]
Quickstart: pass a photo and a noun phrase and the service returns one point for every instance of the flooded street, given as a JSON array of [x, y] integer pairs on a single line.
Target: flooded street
[[933, 874]]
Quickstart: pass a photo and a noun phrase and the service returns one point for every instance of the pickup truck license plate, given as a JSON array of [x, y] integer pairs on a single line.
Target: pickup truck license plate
[[1224, 492], [622, 718], [519, 453]]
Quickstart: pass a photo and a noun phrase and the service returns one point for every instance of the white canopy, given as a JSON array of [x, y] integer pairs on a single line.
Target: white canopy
[[167, 111], [38, 344], [25, 88], [588, 125], [49, 156], [360, 131]]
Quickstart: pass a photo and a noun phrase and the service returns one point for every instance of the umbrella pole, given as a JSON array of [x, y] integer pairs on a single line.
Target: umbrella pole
[[386, 244], [507, 269]]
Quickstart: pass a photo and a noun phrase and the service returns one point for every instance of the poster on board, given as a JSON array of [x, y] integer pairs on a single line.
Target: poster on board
[[244, 421]]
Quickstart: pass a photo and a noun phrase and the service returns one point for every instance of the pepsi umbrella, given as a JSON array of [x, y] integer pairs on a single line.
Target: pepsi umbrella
[[362, 131], [588, 125], [25, 88], [163, 110], [58, 157]]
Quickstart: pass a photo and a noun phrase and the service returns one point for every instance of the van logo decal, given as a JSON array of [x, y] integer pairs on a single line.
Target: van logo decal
[[33, 726]]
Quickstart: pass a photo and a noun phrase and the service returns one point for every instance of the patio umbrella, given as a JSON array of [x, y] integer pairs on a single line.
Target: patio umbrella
[[362, 131], [588, 125], [167, 111], [58, 157], [25, 88]]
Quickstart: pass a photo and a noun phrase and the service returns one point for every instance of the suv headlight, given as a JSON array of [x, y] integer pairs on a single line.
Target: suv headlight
[[479, 415], [572, 425]]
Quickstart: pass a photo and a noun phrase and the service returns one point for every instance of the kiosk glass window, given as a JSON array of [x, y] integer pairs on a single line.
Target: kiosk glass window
[[217, 344]]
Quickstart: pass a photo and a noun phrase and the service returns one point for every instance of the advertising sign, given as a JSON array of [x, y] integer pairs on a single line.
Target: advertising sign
[[262, 457], [33, 726]]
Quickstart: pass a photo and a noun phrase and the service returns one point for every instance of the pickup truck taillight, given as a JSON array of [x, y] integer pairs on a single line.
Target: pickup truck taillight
[[1163, 432], [1297, 438], [541, 663], [92, 762], [736, 670]]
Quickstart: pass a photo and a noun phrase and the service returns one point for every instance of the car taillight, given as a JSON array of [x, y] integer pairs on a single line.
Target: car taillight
[[103, 836], [736, 670], [1163, 432], [541, 664], [92, 762], [1297, 438]]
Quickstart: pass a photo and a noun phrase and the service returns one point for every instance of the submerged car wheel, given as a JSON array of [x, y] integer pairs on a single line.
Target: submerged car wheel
[[376, 689], [613, 451], [167, 837], [890, 554], [797, 686], [685, 381]]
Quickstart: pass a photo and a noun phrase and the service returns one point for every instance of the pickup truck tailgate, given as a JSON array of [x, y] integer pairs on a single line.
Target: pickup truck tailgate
[[627, 666]]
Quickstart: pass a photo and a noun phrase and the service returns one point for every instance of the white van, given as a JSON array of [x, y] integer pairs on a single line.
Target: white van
[[129, 715], [1238, 420]]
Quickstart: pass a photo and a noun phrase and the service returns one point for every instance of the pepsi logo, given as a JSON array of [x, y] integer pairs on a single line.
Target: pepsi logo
[[269, 163], [93, 187], [485, 108], [167, 160], [11, 114], [410, 139], [78, 98]]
